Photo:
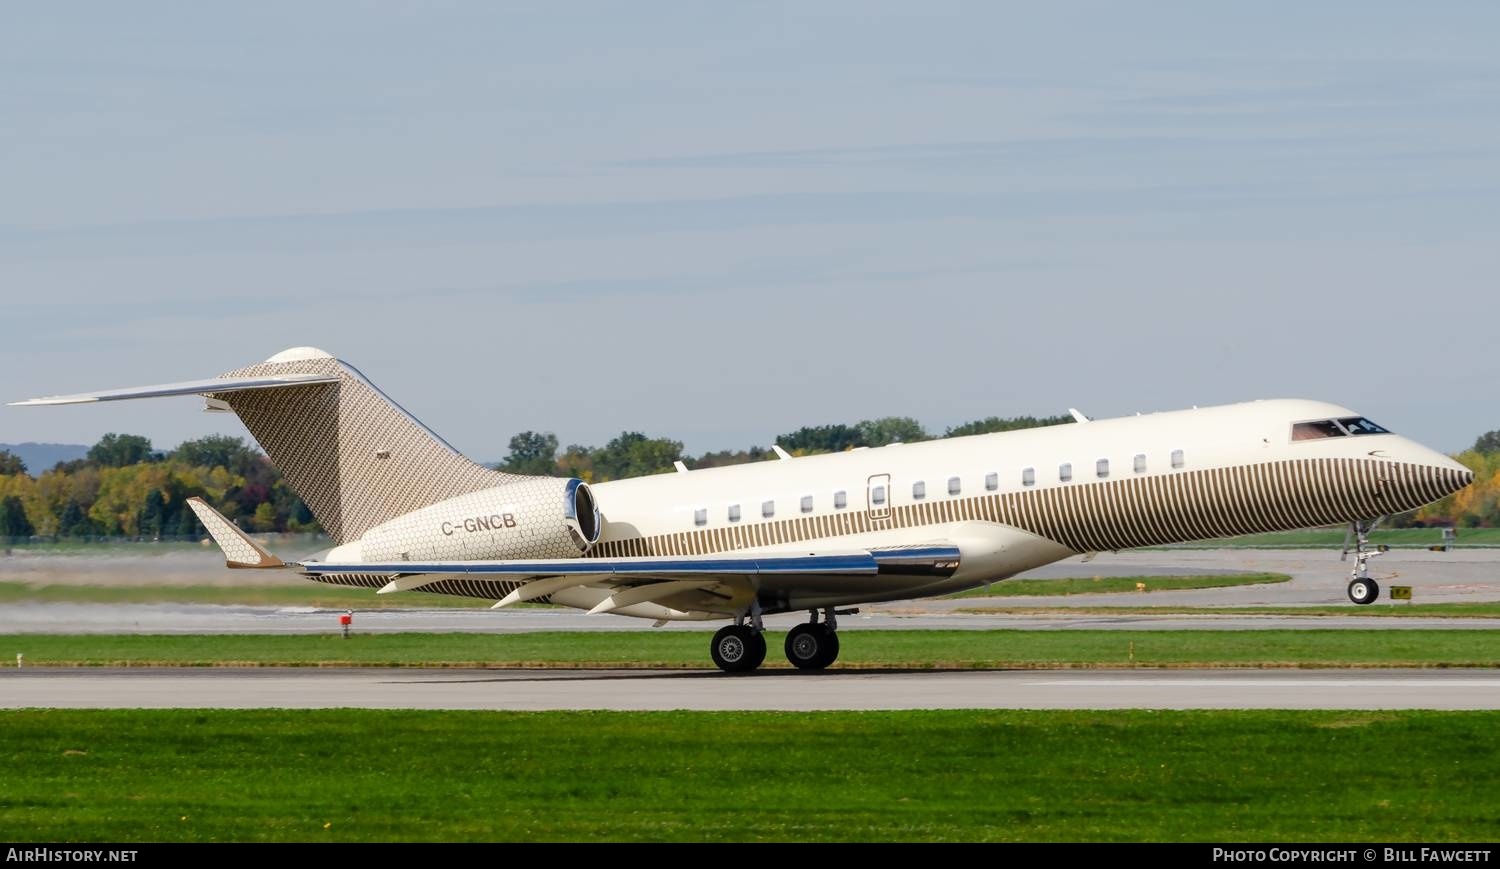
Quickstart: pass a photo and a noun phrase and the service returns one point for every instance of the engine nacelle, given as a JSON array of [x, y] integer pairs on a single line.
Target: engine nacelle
[[539, 517]]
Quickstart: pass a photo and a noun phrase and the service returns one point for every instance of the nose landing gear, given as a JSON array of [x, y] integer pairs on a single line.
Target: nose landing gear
[[1362, 589]]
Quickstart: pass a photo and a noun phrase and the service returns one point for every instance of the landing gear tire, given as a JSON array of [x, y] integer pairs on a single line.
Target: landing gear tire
[[737, 649], [1364, 591], [758, 650], [812, 647]]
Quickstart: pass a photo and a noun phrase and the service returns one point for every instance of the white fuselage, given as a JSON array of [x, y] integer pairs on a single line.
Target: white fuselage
[[1002, 498]]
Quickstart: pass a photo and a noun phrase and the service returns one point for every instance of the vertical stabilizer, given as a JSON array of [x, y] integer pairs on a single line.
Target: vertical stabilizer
[[353, 455]]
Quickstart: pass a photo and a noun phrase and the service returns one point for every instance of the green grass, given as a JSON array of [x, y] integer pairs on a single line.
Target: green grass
[[1487, 610], [1322, 538], [860, 648], [373, 775], [1116, 584], [307, 594]]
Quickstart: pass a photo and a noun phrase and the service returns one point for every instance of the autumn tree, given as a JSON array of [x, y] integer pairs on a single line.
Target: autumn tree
[[532, 453], [11, 464], [821, 439], [990, 425], [890, 430], [632, 454], [118, 450], [219, 451], [13, 521]]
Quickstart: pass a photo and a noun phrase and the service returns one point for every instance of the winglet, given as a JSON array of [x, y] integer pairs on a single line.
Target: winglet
[[239, 549]]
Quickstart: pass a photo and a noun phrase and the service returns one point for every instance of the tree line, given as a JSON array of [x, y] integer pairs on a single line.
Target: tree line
[[125, 488]]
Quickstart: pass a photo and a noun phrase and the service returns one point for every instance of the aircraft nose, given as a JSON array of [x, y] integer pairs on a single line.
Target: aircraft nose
[[1451, 475]]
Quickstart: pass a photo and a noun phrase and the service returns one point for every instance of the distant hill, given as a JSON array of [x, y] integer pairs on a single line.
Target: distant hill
[[41, 457]]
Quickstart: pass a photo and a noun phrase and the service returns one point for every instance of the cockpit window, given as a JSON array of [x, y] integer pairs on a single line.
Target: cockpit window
[[1310, 431], [1334, 428], [1358, 425]]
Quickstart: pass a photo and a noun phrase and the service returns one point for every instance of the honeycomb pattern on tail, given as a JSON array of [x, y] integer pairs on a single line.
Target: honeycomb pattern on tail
[[353, 455]]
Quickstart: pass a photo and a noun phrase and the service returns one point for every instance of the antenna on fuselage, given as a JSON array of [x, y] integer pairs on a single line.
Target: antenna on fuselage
[[1077, 415]]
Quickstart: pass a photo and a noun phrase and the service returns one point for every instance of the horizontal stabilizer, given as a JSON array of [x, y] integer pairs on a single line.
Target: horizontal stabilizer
[[239, 549], [187, 387]]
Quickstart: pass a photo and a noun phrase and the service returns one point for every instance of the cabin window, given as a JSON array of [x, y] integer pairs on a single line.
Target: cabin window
[[1316, 430], [734, 512], [840, 500], [767, 509], [1177, 461], [1028, 477], [1358, 425], [918, 490], [955, 486], [1065, 472], [807, 503], [1140, 463], [1101, 468], [700, 516], [991, 481], [877, 496]]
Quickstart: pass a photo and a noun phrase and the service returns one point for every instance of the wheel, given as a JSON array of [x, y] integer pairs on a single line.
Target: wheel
[[757, 650], [735, 648], [1363, 591], [811, 647]]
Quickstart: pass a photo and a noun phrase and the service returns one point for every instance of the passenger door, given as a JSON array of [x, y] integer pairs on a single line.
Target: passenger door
[[878, 499]]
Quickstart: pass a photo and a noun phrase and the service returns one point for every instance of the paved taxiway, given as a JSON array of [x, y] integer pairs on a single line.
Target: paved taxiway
[[62, 618], [767, 690]]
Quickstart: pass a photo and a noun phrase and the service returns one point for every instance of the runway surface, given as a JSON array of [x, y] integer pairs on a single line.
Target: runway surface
[[62, 618], [1318, 577], [768, 690]]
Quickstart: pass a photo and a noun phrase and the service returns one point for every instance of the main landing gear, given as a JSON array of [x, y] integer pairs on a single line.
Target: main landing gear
[[1362, 589], [813, 646], [741, 647]]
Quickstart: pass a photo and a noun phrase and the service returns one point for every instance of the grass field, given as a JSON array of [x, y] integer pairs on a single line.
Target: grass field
[[361, 775], [1113, 584], [1323, 538], [1483, 610], [860, 648], [304, 594]]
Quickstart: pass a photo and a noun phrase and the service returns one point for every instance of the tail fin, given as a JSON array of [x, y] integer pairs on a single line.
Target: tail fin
[[356, 457], [239, 550]]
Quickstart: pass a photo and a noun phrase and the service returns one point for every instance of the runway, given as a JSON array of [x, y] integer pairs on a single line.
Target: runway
[[768, 690], [70, 618]]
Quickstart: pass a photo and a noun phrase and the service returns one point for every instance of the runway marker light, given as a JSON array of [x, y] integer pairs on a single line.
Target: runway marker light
[[345, 621], [1140, 586], [20, 659]]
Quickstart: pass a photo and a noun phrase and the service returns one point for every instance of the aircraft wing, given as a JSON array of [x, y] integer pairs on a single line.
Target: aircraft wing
[[646, 580]]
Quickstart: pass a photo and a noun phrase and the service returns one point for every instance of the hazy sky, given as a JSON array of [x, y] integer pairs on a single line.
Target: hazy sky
[[722, 221]]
